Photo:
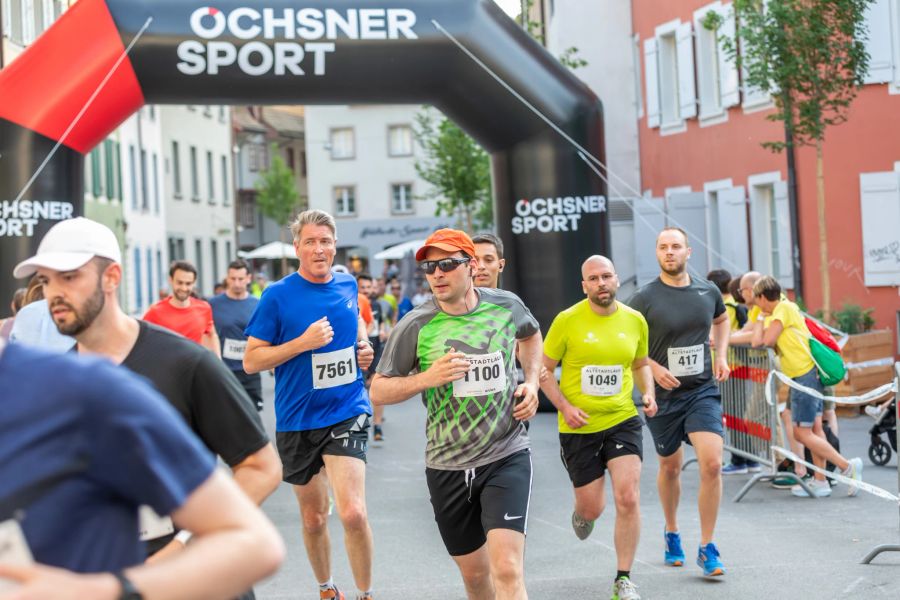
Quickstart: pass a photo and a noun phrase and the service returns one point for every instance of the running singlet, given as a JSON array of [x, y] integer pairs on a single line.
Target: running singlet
[[321, 387], [597, 352], [231, 318], [680, 319], [192, 322], [469, 422]]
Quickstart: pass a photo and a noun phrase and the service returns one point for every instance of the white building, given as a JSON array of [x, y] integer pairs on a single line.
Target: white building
[[361, 169], [199, 189]]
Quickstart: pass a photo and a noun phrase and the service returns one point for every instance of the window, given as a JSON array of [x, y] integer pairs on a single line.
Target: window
[[145, 192], [717, 78], [880, 42], [96, 173], [110, 168], [669, 73], [155, 184], [221, 114], [770, 228], [289, 159], [138, 289], [195, 176], [302, 163], [400, 140], [638, 93], [132, 166], [344, 201], [14, 21], [247, 209], [159, 270], [176, 170], [343, 146], [226, 200], [198, 262], [176, 248], [228, 255], [214, 257], [149, 277], [210, 181], [880, 212], [401, 198]]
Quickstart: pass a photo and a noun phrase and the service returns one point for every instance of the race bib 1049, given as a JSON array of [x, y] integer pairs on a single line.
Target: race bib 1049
[[14, 551], [601, 380], [487, 375], [331, 369], [686, 361], [234, 349]]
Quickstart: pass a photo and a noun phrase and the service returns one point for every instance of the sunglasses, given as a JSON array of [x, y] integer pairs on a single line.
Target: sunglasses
[[446, 265]]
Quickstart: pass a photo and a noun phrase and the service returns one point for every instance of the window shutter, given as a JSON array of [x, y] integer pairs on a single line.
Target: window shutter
[[732, 226], [687, 91], [783, 233], [649, 219], [878, 44], [880, 208], [651, 71], [729, 84], [688, 211]]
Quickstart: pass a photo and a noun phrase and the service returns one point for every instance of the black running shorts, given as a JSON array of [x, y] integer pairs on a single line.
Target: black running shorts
[[301, 451], [585, 455], [467, 504], [687, 412]]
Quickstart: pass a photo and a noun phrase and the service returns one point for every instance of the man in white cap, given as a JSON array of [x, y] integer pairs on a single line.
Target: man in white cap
[[78, 262]]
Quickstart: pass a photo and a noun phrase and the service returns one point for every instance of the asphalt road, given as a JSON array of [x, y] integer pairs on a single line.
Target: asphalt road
[[772, 544]]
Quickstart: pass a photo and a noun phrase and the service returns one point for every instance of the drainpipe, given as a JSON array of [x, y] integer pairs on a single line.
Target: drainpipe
[[2, 41], [792, 203]]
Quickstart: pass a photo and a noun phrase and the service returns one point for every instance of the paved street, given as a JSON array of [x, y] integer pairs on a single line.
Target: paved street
[[773, 545]]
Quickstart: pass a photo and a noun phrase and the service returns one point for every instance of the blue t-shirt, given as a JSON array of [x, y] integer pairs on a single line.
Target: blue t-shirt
[[59, 412], [34, 326], [285, 312], [231, 318]]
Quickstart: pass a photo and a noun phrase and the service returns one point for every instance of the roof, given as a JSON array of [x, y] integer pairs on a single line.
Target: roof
[[243, 120], [284, 121]]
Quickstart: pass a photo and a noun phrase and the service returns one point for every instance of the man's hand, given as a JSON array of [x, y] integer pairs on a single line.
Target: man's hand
[[527, 404], [317, 335], [663, 376], [448, 368], [364, 354], [39, 582], [721, 369], [170, 549], [574, 417], [650, 406]]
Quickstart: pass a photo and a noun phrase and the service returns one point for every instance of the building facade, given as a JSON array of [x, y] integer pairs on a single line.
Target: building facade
[[702, 166]]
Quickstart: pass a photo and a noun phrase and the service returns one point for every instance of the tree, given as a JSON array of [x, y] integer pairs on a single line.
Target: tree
[[277, 195], [458, 169], [810, 56]]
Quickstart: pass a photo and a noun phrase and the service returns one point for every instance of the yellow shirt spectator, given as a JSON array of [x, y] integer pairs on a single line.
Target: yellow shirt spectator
[[792, 345], [731, 308], [581, 338]]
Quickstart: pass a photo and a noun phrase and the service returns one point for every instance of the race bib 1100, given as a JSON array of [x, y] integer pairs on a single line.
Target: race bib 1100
[[686, 361], [487, 375], [331, 369], [597, 380], [14, 551], [234, 349]]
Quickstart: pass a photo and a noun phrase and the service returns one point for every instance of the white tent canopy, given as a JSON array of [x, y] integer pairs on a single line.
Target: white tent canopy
[[272, 250], [400, 250]]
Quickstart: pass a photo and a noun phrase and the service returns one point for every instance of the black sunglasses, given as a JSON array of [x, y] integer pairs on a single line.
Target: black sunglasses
[[446, 264]]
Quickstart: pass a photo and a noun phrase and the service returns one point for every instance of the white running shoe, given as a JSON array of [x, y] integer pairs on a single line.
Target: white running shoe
[[874, 412], [854, 471], [820, 489]]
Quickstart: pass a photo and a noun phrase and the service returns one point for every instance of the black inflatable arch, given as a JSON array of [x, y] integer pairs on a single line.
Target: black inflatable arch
[[76, 84]]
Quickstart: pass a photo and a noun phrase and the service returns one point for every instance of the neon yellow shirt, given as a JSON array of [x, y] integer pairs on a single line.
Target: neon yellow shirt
[[731, 309], [792, 345], [607, 345]]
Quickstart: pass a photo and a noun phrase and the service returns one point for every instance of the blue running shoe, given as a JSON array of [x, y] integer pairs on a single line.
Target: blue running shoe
[[674, 551], [708, 560]]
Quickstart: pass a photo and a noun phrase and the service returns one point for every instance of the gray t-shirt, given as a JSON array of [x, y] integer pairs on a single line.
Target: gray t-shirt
[[466, 428], [679, 319]]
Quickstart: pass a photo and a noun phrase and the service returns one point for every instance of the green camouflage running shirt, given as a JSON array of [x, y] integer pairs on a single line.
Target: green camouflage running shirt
[[466, 428]]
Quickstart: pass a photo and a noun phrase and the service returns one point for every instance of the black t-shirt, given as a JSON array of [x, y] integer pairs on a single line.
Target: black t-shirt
[[202, 389], [378, 319], [679, 319]]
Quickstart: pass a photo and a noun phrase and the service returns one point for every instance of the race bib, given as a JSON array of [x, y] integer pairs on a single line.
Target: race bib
[[686, 361], [331, 369], [152, 525], [486, 376], [234, 349], [597, 380], [14, 551]]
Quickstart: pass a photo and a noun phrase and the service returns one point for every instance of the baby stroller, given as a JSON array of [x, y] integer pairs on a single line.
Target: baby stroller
[[879, 450]]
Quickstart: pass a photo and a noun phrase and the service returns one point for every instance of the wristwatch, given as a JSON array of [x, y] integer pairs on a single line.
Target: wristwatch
[[129, 592]]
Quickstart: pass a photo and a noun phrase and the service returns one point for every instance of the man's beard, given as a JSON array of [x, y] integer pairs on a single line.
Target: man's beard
[[181, 296], [674, 272], [604, 302], [83, 318]]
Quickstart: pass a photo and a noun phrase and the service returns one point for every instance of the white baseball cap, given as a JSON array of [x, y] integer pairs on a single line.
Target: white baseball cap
[[69, 245]]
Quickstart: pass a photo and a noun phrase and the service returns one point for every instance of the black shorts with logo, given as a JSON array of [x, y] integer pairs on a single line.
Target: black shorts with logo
[[301, 451], [467, 504], [585, 455], [684, 413]]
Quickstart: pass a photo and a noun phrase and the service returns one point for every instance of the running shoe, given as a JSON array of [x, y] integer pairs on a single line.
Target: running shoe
[[708, 560], [820, 489], [733, 469], [784, 483], [753, 467], [582, 527], [854, 471], [874, 412], [331, 593], [624, 589], [365, 597], [674, 551], [379, 435]]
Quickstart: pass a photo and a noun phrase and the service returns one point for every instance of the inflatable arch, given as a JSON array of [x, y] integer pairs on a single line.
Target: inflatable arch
[[104, 59]]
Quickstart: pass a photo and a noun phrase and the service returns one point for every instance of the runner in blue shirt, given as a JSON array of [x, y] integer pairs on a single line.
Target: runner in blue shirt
[[307, 327]]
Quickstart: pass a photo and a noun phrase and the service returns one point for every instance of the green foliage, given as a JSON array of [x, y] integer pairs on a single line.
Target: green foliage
[[852, 318], [808, 54], [277, 195], [458, 169], [569, 58]]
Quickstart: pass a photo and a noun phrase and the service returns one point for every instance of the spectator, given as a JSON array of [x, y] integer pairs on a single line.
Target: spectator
[[17, 302], [34, 324], [404, 304]]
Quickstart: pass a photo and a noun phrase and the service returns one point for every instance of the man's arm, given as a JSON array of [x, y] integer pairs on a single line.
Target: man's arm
[[393, 390], [643, 378], [574, 417], [259, 474], [261, 355], [721, 333], [211, 342], [234, 547], [766, 337], [529, 351]]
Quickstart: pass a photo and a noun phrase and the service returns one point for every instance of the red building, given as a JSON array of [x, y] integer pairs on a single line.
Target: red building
[[703, 167]]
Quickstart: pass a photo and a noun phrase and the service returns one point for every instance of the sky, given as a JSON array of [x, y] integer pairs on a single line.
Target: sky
[[510, 6]]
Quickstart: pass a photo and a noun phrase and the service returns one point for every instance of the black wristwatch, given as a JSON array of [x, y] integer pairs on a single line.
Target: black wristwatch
[[129, 592]]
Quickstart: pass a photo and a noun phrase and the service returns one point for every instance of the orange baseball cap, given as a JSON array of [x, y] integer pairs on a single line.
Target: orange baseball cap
[[450, 240]]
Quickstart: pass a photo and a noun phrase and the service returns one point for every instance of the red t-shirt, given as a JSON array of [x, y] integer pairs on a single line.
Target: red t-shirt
[[365, 309], [191, 322]]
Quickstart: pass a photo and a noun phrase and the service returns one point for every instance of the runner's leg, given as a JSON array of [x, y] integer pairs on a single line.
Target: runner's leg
[[708, 447], [313, 500], [475, 569], [625, 473], [506, 549], [348, 480], [590, 500], [668, 484]]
